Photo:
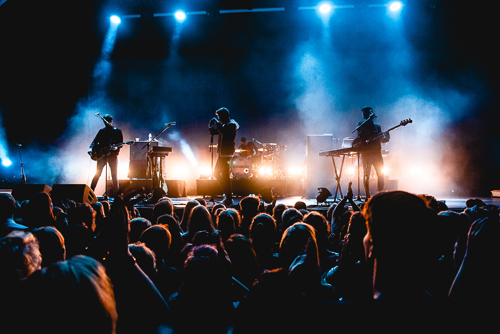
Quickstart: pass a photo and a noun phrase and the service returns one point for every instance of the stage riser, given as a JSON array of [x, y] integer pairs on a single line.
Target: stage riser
[[244, 187], [312, 186], [176, 188]]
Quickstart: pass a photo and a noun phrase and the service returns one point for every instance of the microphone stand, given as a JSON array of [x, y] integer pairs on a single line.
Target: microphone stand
[[23, 176], [150, 167]]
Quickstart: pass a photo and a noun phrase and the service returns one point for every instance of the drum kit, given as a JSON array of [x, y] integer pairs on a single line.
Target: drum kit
[[265, 163]]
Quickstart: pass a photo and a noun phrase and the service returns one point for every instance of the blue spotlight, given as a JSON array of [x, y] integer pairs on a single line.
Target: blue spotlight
[[325, 8], [180, 16], [395, 6], [115, 19], [6, 162]]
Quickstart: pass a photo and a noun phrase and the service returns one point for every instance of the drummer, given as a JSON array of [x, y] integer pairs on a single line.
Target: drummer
[[246, 149]]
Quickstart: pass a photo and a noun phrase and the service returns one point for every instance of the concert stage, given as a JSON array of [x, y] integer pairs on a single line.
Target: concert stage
[[289, 192]]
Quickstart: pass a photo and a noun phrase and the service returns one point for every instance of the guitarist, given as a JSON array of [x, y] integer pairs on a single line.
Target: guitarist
[[370, 150], [106, 137]]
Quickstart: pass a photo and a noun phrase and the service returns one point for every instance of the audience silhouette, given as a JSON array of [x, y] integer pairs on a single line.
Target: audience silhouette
[[400, 262]]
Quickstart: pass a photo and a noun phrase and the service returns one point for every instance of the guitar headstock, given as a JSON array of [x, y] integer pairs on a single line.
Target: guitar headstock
[[405, 121]]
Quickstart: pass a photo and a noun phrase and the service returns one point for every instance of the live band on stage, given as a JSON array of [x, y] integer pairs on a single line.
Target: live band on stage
[[250, 160]]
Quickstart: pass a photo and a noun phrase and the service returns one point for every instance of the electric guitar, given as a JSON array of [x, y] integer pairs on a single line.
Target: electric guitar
[[95, 154]]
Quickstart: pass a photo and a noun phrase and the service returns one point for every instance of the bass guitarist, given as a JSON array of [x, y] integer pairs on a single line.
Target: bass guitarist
[[370, 148], [104, 148]]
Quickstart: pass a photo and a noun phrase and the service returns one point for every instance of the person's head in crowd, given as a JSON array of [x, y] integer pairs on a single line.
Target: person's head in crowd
[[81, 298], [199, 220], [329, 212], [187, 211], [176, 242], [236, 217], [7, 213], [249, 205], [164, 206], [19, 258], [157, 238], [288, 218], [225, 224], [39, 211], [137, 226], [300, 205], [201, 201], [51, 244], [83, 214], [243, 259], [99, 211], [216, 209], [278, 213], [321, 228], [398, 242], [7, 207], [293, 242], [263, 230], [144, 257]]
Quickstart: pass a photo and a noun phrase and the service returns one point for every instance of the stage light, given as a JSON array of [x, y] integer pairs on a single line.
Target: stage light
[[325, 8], [395, 6], [115, 19], [385, 170], [6, 162], [180, 16]]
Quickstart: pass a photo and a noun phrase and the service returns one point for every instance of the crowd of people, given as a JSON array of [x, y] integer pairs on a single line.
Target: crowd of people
[[398, 262]]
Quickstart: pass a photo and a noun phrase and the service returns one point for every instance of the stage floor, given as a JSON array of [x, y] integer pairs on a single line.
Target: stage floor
[[455, 204]]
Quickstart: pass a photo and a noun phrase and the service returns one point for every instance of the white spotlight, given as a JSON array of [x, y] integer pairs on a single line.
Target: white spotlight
[[395, 6], [325, 8], [115, 19], [6, 162], [180, 16]]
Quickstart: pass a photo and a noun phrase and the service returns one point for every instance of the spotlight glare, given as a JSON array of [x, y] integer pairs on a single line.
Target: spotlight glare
[[6, 162], [115, 19], [325, 8], [180, 16], [395, 6]]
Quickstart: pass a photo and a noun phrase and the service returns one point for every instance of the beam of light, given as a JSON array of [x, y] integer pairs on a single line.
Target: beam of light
[[184, 147], [180, 16], [115, 19]]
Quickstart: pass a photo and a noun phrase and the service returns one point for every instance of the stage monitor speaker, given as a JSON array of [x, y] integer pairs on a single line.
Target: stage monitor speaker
[[80, 193], [23, 192]]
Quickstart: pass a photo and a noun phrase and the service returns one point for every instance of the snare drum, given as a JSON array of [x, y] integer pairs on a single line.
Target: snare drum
[[240, 167]]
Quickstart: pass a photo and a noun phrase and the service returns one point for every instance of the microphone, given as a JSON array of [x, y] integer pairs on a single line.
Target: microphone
[[19, 145], [97, 114], [171, 123]]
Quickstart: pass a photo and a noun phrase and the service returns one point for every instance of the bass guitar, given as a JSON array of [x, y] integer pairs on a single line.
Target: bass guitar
[[359, 144], [95, 154]]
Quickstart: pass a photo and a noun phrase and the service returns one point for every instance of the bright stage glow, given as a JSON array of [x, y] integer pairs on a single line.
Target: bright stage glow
[[395, 6], [115, 19], [6, 162], [180, 16], [265, 171], [325, 8], [385, 170], [294, 171], [205, 171]]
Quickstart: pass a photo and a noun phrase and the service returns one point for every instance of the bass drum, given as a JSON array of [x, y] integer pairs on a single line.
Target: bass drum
[[240, 167]]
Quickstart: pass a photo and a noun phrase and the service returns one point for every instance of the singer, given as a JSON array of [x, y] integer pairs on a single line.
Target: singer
[[370, 150], [226, 128], [104, 147]]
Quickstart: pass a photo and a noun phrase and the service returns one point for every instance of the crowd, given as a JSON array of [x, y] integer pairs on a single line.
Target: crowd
[[399, 262]]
